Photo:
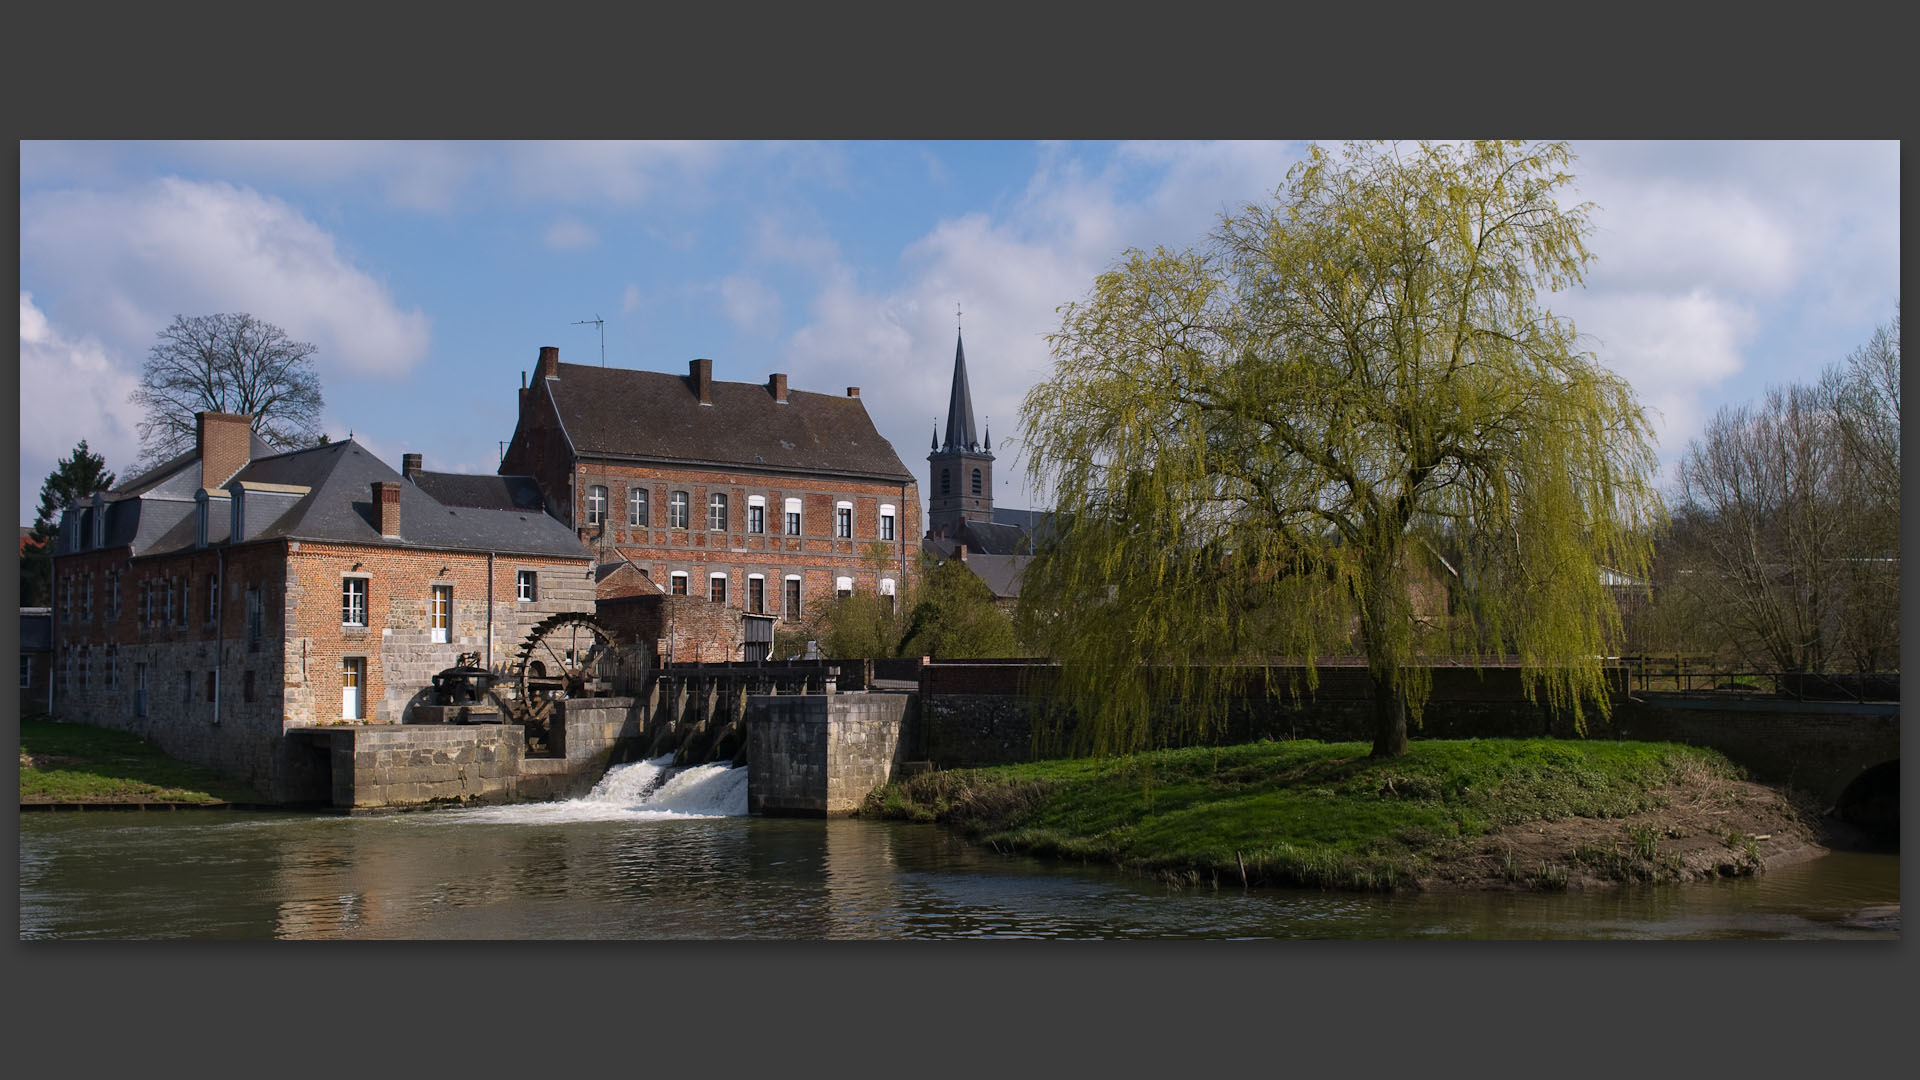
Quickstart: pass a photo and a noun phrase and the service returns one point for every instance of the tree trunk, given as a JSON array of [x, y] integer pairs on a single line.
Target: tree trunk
[[1389, 717]]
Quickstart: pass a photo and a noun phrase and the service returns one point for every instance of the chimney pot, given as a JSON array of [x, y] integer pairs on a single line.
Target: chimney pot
[[962, 552], [853, 391], [386, 506], [410, 466], [701, 372], [778, 384], [549, 362]]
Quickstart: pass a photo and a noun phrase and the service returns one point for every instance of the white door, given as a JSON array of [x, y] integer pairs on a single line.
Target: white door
[[351, 676]]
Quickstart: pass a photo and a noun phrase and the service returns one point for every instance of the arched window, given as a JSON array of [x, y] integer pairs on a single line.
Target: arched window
[[976, 481]]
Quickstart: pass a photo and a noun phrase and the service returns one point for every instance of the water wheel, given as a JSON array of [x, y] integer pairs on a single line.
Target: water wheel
[[558, 660]]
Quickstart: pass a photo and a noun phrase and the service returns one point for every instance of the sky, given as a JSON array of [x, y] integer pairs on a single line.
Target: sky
[[428, 275]]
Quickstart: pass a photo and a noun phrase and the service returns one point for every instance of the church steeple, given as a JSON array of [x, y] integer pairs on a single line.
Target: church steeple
[[961, 434], [960, 487]]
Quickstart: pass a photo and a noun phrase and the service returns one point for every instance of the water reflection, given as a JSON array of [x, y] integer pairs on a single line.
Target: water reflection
[[443, 875]]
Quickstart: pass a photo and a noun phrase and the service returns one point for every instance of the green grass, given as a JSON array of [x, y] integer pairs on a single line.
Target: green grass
[[1294, 813], [81, 763]]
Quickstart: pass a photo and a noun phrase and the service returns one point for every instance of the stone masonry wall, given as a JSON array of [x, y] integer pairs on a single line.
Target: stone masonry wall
[[818, 755]]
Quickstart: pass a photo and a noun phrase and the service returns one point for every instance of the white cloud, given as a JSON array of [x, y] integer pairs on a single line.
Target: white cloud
[[750, 305], [131, 260], [410, 175], [630, 299], [90, 386], [618, 172], [568, 234]]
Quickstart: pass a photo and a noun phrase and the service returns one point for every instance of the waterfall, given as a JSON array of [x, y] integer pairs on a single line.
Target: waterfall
[[649, 790]]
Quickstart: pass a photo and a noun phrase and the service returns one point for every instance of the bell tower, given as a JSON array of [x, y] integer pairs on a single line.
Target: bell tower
[[960, 480]]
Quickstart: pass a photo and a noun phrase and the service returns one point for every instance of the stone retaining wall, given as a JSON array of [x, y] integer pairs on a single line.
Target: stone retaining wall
[[819, 755]]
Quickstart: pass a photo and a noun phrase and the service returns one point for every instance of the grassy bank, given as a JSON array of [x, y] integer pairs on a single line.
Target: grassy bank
[[79, 763], [1525, 813]]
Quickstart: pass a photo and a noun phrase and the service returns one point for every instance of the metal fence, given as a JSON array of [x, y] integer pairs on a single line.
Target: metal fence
[[1701, 675]]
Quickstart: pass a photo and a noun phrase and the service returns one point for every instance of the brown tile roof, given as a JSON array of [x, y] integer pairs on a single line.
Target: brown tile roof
[[653, 415]]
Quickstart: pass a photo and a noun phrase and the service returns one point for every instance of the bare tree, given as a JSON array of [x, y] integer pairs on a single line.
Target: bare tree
[[232, 363], [1787, 533]]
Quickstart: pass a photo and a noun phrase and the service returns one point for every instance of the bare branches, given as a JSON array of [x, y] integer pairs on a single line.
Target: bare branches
[[231, 363]]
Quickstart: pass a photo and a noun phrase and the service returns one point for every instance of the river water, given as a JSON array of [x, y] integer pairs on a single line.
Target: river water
[[654, 856]]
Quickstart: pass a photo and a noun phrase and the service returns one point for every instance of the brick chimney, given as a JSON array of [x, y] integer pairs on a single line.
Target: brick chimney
[[549, 366], [386, 506], [853, 391], [700, 372], [224, 443], [410, 467], [778, 384]]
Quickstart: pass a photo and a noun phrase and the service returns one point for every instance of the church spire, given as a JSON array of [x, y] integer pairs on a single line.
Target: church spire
[[961, 434]]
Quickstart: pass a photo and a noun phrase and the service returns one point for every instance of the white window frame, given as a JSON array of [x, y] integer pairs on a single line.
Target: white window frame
[[842, 587], [213, 598], [639, 508], [679, 510], [526, 586], [887, 589], [757, 514], [679, 584], [347, 591], [113, 595], [843, 520], [440, 614], [794, 523], [717, 512], [886, 521], [597, 504], [725, 590]]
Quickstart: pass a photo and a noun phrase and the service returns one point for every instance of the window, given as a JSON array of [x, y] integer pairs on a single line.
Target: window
[[976, 481], [886, 522], [717, 512], [792, 610], [523, 587], [717, 588], [677, 583], [353, 601], [86, 669], [213, 687], [440, 614], [113, 667], [596, 505], [637, 508], [756, 513], [66, 597], [887, 590], [255, 618], [677, 510], [139, 689], [86, 600], [946, 482], [842, 587], [113, 595], [843, 521], [353, 672], [756, 594], [213, 598], [793, 517], [146, 604], [184, 584], [166, 607]]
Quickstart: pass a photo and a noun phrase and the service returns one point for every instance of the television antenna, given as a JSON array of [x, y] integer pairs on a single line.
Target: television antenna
[[601, 323]]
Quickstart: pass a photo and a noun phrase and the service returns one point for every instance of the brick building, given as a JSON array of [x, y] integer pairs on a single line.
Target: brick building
[[757, 499], [235, 592]]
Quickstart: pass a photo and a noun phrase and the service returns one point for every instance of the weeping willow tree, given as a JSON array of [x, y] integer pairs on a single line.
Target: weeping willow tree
[[1269, 447]]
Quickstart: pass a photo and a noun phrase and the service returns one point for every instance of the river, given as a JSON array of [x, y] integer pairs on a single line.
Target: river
[[655, 856]]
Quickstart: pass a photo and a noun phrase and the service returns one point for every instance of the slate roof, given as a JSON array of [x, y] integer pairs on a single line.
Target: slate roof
[[152, 517], [656, 416], [481, 491]]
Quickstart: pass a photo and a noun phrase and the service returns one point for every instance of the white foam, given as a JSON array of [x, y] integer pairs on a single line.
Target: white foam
[[641, 791]]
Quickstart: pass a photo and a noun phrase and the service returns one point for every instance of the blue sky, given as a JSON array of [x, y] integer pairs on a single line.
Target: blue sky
[[430, 274]]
